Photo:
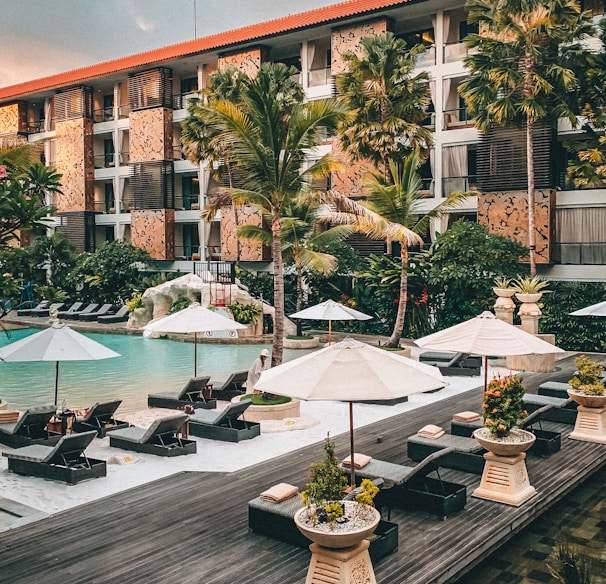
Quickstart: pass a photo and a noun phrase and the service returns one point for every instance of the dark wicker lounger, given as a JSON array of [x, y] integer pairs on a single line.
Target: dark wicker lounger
[[161, 438], [224, 425], [65, 461], [101, 418], [194, 392], [30, 428], [464, 453], [410, 487], [231, 387]]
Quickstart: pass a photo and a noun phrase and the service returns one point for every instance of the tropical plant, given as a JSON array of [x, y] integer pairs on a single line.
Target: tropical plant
[[246, 313], [393, 211], [502, 283], [57, 254], [134, 302], [268, 131], [52, 294], [325, 487], [387, 101], [528, 285], [503, 404], [464, 261], [570, 564], [588, 379], [525, 65], [177, 305]]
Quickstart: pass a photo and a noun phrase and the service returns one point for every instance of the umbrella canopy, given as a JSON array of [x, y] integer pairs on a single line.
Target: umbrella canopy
[[330, 310], [598, 309], [56, 343], [487, 335], [350, 371], [193, 319]]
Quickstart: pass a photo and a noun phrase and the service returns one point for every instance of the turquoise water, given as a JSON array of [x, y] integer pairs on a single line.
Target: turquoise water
[[146, 365]]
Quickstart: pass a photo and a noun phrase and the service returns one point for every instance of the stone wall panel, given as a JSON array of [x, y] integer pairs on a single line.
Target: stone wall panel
[[347, 40], [249, 250], [150, 135], [13, 118], [248, 62], [154, 231]]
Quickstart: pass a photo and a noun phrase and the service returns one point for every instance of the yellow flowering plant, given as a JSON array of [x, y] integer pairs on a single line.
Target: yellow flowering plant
[[503, 406]]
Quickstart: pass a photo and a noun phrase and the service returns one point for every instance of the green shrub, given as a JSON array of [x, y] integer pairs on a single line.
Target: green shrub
[[246, 313], [179, 304]]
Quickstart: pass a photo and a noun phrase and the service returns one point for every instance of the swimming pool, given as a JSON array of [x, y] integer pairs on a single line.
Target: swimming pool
[[146, 365]]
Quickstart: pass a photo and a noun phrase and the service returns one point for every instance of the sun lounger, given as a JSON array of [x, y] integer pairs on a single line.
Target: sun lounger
[[452, 363], [563, 410], [161, 438], [410, 487], [40, 312], [121, 316], [30, 428], [554, 389], [75, 315], [28, 311], [276, 520], [231, 387], [73, 308], [101, 418], [464, 453], [224, 425], [65, 461], [194, 392], [92, 316]]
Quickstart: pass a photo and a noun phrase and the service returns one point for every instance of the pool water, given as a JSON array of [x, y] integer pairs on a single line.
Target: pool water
[[146, 366]]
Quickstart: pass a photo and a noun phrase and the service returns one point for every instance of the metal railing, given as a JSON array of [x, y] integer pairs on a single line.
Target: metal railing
[[180, 100], [459, 184], [317, 77], [187, 203], [224, 272], [456, 118], [427, 58], [105, 114]]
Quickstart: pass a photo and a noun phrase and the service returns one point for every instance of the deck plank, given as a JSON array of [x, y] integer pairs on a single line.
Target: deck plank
[[192, 527]]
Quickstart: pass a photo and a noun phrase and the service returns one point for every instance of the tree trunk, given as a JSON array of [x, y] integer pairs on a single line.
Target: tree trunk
[[532, 240], [276, 245], [396, 335], [299, 272]]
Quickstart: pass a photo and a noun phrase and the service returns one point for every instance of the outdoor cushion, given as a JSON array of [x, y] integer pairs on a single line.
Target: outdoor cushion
[[159, 426]]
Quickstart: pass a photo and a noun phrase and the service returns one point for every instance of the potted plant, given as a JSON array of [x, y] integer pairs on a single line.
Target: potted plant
[[587, 384], [325, 518], [503, 288], [503, 410], [529, 290]]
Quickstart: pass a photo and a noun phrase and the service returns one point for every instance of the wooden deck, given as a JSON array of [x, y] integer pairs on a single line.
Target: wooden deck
[[192, 527]]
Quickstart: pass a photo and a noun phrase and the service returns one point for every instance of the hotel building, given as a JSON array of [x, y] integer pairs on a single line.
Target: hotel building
[[113, 130]]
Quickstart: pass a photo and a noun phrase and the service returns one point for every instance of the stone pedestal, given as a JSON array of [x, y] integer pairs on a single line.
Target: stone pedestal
[[505, 479], [534, 363], [350, 565], [590, 425], [504, 307]]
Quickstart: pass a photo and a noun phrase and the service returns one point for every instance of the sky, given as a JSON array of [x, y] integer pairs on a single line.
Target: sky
[[43, 37]]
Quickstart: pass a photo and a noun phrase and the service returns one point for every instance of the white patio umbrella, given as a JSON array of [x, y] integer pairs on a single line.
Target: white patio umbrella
[[56, 343], [193, 319], [350, 371], [487, 335], [330, 310], [598, 309]]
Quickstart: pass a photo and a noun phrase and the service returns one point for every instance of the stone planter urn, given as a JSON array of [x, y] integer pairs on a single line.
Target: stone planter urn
[[504, 306], [342, 546], [505, 478], [590, 425]]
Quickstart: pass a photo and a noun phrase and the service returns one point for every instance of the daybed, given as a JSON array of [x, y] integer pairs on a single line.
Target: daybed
[[464, 453], [87, 310], [410, 487], [276, 520], [39, 312], [120, 316], [101, 418], [231, 387], [195, 392], [452, 363], [65, 461], [30, 428], [92, 316], [161, 438], [75, 307], [28, 311], [224, 425]]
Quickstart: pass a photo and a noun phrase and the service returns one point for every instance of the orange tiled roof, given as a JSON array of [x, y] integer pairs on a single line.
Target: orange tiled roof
[[201, 45]]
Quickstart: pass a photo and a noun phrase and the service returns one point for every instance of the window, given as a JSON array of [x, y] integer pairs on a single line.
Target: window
[[465, 28], [108, 152], [109, 197], [108, 107], [422, 37]]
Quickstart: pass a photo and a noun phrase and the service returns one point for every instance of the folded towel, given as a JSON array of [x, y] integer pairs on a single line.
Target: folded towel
[[430, 431], [280, 492], [8, 416], [466, 417], [360, 460]]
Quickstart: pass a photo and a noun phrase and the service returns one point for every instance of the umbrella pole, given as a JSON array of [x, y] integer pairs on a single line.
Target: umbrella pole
[[56, 382], [195, 354], [485, 372], [329, 331], [351, 445]]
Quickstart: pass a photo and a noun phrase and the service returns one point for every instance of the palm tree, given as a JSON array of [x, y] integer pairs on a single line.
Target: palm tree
[[301, 240], [392, 211], [268, 133], [18, 157], [387, 102], [524, 68]]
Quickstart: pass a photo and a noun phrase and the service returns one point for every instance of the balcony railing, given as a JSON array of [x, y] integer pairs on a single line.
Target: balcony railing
[[123, 111], [220, 271], [178, 153], [180, 101], [428, 58], [459, 184], [35, 127], [187, 203], [106, 114], [581, 253], [428, 188], [105, 206], [111, 160], [455, 51], [317, 77], [457, 118]]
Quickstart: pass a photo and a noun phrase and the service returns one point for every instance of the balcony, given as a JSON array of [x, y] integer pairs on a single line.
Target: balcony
[[318, 77], [187, 202], [428, 58], [459, 184], [180, 101], [455, 119], [110, 160], [106, 114], [455, 51]]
